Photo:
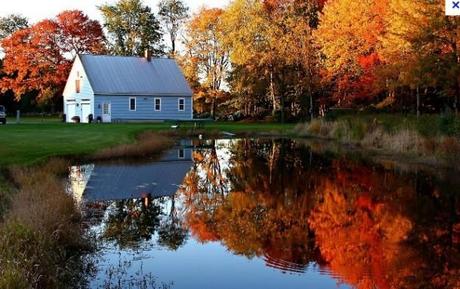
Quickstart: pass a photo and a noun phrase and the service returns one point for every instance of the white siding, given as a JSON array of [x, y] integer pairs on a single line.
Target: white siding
[[86, 92]]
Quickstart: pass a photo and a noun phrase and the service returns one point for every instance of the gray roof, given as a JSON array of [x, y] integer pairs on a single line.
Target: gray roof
[[129, 75]]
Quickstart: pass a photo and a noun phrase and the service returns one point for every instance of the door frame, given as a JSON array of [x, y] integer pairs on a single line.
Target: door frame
[[107, 117], [74, 113], [82, 119]]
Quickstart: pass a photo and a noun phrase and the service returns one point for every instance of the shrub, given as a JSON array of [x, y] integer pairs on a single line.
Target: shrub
[[76, 119], [447, 124], [314, 127]]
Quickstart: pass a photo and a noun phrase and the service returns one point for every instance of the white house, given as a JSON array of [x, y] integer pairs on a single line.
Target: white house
[[120, 88]]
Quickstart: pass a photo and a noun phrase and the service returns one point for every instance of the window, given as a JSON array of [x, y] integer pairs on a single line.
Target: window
[[105, 108], [157, 104], [132, 104], [181, 104], [77, 86], [77, 83], [181, 153]]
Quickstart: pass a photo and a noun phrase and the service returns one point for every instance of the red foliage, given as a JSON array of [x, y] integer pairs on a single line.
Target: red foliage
[[362, 87], [37, 59]]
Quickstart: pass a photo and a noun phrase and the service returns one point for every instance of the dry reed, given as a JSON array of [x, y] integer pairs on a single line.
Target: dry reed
[[147, 144]]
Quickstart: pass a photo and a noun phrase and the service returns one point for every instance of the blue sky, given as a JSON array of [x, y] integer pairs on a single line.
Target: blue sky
[[38, 9]]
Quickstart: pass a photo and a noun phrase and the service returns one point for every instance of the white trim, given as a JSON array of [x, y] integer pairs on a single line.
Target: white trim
[[178, 104], [155, 103], [135, 104]]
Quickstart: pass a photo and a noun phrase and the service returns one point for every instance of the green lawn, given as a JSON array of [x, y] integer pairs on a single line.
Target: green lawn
[[32, 141]]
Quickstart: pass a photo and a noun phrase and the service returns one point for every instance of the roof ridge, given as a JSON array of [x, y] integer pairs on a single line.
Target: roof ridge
[[122, 56]]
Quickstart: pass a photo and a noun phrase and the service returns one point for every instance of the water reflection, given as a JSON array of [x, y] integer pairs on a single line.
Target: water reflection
[[328, 221]]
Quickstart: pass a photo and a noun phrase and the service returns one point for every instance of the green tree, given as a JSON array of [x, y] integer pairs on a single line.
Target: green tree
[[132, 28], [12, 23], [172, 13]]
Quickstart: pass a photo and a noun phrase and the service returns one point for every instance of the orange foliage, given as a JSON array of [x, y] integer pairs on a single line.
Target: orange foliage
[[36, 58]]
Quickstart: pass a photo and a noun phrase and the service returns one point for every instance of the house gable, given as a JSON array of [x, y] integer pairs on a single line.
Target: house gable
[[86, 89]]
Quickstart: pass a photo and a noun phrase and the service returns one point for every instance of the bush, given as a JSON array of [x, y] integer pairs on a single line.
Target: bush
[[448, 124], [76, 119]]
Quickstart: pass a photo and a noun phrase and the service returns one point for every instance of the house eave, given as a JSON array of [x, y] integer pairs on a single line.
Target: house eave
[[142, 94]]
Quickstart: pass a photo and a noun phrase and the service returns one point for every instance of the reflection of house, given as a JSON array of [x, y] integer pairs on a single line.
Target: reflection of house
[[132, 181]]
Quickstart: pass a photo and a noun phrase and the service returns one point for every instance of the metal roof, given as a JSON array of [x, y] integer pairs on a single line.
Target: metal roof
[[129, 75]]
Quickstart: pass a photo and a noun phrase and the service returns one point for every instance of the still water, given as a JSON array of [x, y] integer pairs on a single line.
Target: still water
[[266, 213]]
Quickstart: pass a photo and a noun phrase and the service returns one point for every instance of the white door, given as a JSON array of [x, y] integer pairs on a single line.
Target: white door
[[70, 111], [85, 112], [106, 112]]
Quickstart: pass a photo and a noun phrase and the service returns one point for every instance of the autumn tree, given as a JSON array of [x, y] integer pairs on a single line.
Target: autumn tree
[[132, 28], [247, 31], [293, 23], [420, 50], [38, 58], [348, 35], [12, 23], [172, 14], [273, 41], [205, 47]]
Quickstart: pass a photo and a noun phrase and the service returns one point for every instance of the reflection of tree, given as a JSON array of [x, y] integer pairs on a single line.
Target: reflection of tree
[[132, 221], [206, 161], [371, 227], [172, 233], [265, 213]]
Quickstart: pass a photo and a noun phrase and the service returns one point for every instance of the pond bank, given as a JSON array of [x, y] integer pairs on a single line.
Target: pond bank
[[27, 144], [436, 144], [42, 244]]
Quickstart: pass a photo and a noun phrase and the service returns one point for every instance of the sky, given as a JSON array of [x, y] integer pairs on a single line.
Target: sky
[[36, 10]]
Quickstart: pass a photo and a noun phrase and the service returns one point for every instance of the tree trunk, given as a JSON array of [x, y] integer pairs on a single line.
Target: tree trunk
[[418, 101], [282, 109], [213, 107], [272, 92], [457, 92], [311, 105]]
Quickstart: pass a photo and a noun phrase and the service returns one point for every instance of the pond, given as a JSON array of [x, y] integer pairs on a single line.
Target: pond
[[269, 213]]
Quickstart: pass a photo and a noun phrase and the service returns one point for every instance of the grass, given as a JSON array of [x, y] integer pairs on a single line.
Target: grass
[[41, 242], [433, 137], [147, 144], [28, 142]]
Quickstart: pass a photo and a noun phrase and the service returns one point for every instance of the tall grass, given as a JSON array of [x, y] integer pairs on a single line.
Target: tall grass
[[437, 138], [147, 144], [41, 242]]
